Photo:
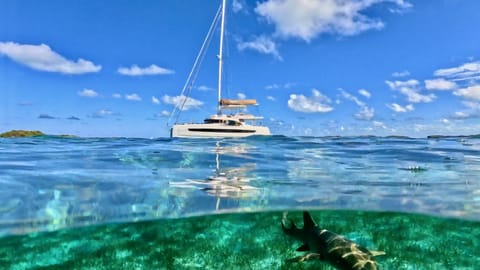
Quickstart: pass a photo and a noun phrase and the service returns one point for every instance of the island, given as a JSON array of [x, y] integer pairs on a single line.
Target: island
[[21, 134]]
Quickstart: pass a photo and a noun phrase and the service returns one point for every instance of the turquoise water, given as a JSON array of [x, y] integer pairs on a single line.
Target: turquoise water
[[119, 203], [245, 241]]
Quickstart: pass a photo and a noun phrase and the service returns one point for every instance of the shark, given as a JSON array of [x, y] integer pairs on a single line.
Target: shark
[[329, 247]]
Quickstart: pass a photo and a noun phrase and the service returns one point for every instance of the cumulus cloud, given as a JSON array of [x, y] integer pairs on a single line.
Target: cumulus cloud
[[473, 110], [177, 101], [88, 93], [364, 93], [400, 109], [365, 113], [271, 98], [352, 98], [411, 90], [133, 97], [463, 72], [42, 57], [135, 70], [305, 19], [261, 44], [472, 105], [440, 84], [471, 92], [317, 103], [155, 100]]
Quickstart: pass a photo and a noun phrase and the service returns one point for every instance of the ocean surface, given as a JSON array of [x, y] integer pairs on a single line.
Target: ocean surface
[[126, 203]]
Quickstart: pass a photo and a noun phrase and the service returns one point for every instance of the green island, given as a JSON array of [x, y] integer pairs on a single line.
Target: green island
[[21, 134], [31, 133]]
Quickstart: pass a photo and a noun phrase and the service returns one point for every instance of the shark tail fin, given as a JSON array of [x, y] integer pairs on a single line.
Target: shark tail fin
[[308, 222]]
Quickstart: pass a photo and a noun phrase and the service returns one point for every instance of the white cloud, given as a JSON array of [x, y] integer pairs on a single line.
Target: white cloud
[[150, 70], [177, 101], [400, 74], [237, 6], [88, 93], [410, 90], [165, 113], [364, 93], [461, 115], [472, 105], [261, 44], [205, 88], [306, 19], [317, 103], [42, 57], [472, 92], [133, 97], [379, 124], [155, 100], [102, 113], [117, 95], [352, 98], [241, 96], [400, 109], [464, 71], [402, 6], [271, 98], [402, 3], [365, 113], [278, 86], [440, 84]]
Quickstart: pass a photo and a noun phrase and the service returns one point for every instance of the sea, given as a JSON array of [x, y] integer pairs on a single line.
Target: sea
[[132, 203]]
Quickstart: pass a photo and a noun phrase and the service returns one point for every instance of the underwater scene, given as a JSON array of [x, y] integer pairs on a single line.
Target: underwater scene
[[256, 203]]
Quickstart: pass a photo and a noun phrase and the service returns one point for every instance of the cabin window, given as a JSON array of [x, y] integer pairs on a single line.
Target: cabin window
[[212, 121]]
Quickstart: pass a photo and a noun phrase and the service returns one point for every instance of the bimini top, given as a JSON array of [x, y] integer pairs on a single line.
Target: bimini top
[[228, 102]]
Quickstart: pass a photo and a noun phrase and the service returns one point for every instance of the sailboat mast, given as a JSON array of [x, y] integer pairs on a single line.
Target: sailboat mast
[[220, 58]]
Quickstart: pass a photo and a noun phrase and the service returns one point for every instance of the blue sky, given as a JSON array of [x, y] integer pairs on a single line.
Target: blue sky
[[317, 67]]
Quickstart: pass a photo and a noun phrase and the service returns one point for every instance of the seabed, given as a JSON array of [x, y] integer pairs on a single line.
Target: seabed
[[245, 241]]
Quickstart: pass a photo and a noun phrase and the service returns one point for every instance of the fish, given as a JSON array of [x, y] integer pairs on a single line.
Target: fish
[[329, 247]]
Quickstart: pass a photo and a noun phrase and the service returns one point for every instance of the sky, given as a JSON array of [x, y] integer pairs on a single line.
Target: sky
[[316, 67]]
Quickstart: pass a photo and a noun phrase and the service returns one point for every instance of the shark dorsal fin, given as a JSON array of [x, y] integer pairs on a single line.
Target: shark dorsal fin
[[308, 222]]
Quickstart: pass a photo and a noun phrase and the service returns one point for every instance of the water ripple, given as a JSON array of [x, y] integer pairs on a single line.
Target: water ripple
[[50, 183]]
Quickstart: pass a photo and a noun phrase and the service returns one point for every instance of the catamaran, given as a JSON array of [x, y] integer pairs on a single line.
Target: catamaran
[[231, 119]]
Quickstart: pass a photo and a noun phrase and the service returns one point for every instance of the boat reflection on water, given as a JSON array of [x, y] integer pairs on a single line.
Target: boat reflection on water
[[225, 182]]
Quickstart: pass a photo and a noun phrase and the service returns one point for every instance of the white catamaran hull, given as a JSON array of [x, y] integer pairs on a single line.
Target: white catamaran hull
[[215, 130]]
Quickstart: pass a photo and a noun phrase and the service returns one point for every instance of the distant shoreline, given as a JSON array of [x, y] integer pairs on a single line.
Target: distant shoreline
[[18, 133], [36, 133]]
